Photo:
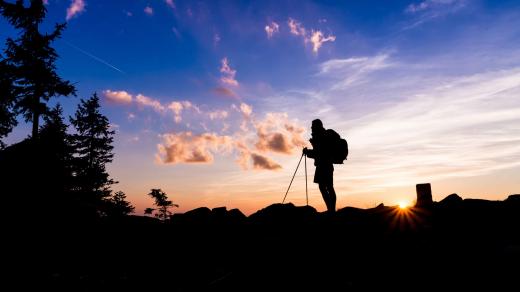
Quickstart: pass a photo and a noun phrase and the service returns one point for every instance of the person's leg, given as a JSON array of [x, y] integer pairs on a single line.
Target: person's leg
[[332, 198], [324, 194]]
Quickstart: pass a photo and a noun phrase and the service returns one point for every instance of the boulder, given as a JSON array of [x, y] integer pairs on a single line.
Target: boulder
[[424, 195], [451, 200]]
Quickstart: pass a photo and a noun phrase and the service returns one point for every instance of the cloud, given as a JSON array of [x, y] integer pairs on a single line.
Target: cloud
[[296, 27], [353, 70], [246, 110], [225, 92], [76, 7], [120, 97], [218, 115], [263, 162], [148, 10], [216, 39], [276, 133], [271, 29], [170, 3], [228, 73], [463, 128], [429, 4], [317, 39], [186, 147], [431, 9], [178, 106], [146, 101]]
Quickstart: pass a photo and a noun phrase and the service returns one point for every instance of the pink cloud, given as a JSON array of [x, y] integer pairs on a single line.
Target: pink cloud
[[120, 97], [76, 7], [148, 10], [228, 73], [315, 37], [271, 29], [186, 147], [149, 102], [296, 27]]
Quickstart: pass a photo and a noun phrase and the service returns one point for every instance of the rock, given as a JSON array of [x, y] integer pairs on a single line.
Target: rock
[[452, 199], [424, 195]]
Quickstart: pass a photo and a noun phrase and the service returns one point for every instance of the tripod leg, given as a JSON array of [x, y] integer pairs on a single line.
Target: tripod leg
[[292, 179], [306, 192]]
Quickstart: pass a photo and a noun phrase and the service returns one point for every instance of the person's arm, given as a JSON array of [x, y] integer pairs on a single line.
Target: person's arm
[[311, 153]]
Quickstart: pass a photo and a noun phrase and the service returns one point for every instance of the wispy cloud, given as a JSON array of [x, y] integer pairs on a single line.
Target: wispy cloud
[[465, 127], [271, 29], [148, 10], [429, 4], [76, 7], [431, 9], [228, 74], [226, 92], [352, 70], [316, 37]]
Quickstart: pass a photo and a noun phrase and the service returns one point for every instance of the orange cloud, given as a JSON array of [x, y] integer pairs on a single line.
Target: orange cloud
[[263, 162], [149, 102], [186, 147], [121, 97], [277, 134]]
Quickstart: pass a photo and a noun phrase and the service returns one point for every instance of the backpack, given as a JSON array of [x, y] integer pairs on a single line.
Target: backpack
[[339, 147]]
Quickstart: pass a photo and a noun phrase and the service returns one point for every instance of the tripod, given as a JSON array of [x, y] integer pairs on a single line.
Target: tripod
[[306, 191]]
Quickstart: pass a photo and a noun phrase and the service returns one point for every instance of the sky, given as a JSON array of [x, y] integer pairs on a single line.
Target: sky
[[212, 101]]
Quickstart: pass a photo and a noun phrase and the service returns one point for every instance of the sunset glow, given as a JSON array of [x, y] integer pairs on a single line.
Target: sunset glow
[[212, 101]]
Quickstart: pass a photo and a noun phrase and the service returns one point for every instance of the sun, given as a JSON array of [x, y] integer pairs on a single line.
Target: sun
[[403, 205]]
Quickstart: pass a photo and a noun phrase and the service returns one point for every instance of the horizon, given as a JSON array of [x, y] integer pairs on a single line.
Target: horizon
[[212, 101]]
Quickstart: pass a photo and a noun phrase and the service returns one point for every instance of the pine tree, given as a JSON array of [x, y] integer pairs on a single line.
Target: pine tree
[[57, 155], [7, 116], [33, 78], [118, 206], [93, 151]]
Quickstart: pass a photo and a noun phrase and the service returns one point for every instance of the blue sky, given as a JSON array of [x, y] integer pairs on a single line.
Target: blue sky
[[212, 100]]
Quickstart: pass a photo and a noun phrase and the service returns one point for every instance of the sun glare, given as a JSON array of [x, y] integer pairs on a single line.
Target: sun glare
[[403, 205]]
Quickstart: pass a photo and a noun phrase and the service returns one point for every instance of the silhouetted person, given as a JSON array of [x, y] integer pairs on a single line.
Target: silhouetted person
[[321, 153]]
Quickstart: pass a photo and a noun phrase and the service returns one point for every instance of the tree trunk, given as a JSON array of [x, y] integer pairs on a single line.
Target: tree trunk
[[36, 118]]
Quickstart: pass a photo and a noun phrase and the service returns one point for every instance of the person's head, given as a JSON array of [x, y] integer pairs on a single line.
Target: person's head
[[317, 126]]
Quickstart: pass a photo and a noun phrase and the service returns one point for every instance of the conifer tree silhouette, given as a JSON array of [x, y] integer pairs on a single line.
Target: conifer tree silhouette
[[31, 59]]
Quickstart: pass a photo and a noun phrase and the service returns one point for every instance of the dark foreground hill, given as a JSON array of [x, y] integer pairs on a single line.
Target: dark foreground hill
[[453, 244]]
